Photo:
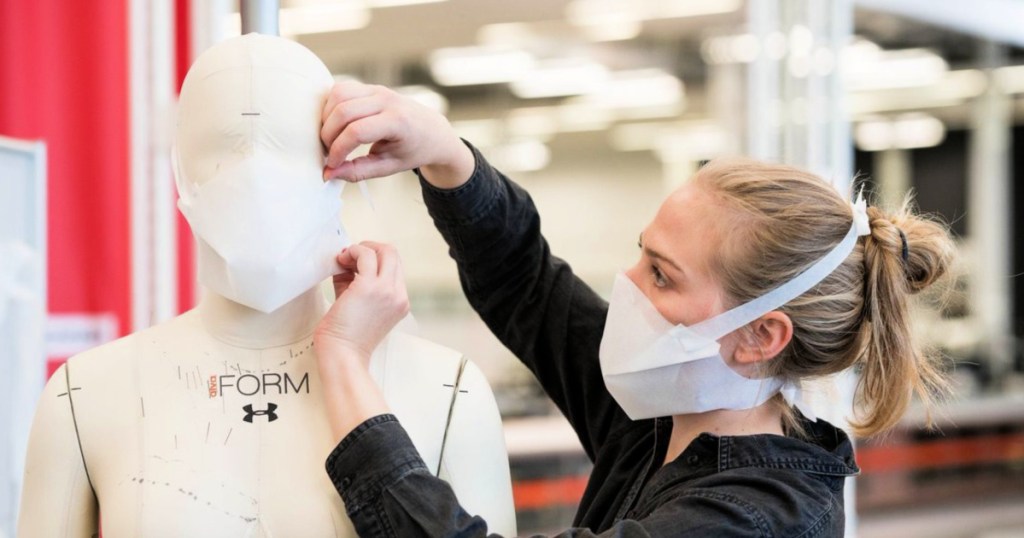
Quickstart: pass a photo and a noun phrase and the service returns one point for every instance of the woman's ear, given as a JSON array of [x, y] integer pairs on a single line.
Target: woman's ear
[[764, 338]]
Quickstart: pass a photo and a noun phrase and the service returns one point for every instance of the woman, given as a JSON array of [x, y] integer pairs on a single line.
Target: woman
[[751, 277]]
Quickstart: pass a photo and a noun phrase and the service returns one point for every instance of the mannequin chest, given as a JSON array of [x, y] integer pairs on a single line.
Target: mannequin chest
[[183, 436]]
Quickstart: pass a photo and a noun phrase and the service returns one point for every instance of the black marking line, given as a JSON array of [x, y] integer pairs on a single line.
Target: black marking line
[[62, 394], [464, 391], [451, 411], [143, 404], [449, 386], [74, 420], [207, 432], [229, 435], [179, 372], [250, 113]]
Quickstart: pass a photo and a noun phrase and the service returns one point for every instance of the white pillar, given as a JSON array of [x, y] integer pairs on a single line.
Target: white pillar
[[893, 173], [989, 222], [153, 226]]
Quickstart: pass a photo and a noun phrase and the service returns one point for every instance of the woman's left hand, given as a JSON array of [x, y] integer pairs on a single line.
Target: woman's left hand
[[370, 300]]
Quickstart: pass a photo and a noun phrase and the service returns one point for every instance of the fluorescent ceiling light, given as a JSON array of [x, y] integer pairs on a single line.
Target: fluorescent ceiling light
[[539, 123], [639, 88], [505, 34], [952, 89], [425, 96], [600, 12], [670, 9], [561, 77], [1011, 78], [396, 3], [521, 156], [482, 133], [578, 117], [672, 141], [866, 69], [915, 130], [478, 65]]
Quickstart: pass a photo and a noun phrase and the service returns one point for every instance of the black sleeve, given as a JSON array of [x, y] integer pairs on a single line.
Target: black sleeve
[[389, 493], [549, 318]]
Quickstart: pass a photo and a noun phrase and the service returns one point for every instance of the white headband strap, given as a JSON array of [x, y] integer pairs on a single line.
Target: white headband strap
[[731, 320]]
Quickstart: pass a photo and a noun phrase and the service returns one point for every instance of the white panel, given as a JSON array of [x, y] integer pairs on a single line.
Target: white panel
[[22, 309]]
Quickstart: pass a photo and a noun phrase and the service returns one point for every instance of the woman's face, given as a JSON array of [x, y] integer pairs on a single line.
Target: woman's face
[[675, 255]]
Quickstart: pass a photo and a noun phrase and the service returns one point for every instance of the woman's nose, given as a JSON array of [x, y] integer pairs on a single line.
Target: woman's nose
[[635, 274]]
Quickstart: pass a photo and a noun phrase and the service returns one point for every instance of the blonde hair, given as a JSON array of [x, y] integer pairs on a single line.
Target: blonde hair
[[782, 220]]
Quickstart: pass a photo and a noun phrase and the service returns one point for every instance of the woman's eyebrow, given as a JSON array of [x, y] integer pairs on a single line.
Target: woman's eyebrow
[[659, 256]]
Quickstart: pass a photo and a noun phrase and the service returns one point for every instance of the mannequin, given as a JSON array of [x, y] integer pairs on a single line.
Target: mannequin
[[212, 424]]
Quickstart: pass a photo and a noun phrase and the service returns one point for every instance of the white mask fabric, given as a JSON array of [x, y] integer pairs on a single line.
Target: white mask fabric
[[654, 368], [265, 236]]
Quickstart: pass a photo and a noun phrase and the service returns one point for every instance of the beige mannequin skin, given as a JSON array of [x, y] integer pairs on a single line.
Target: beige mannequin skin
[[213, 424]]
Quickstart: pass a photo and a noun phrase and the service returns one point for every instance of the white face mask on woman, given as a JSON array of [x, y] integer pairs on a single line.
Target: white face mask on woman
[[654, 368], [264, 235]]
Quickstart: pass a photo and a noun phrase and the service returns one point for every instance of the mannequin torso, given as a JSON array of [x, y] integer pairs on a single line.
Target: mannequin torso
[[212, 424]]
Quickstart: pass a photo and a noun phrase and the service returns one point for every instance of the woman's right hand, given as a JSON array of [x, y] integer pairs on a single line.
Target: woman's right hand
[[402, 134]]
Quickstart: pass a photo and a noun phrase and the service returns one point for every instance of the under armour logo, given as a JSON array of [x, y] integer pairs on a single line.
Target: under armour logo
[[269, 412]]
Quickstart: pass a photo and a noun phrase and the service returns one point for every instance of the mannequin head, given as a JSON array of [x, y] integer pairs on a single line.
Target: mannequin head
[[248, 169], [252, 95]]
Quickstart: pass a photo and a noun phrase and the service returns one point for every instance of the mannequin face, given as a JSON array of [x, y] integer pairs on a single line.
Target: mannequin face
[[249, 161], [252, 95]]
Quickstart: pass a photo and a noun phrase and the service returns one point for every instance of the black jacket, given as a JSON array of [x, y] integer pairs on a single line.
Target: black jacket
[[752, 485]]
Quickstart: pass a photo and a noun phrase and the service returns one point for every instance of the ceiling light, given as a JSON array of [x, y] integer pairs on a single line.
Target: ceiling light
[[670, 9], [1011, 78], [396, 3], [478, 65], [561, 77], [426, 96], [482, 133], [907, 131], [866, 69], [637, 89], [521, 156]]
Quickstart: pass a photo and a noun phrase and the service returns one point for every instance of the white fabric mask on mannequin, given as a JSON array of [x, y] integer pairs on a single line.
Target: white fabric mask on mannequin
[[248, 161], [264, 237], [654, 368]]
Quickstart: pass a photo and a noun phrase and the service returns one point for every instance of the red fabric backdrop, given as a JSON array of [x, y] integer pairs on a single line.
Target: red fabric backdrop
[[64, 79]]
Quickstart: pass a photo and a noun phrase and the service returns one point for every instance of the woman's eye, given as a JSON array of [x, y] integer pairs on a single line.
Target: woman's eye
[[659, 279]]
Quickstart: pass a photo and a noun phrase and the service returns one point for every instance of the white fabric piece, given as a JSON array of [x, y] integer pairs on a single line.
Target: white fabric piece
[[264, 236], [654, 368]]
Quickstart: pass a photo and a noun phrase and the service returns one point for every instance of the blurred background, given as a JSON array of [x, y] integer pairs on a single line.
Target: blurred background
[[599, 108]]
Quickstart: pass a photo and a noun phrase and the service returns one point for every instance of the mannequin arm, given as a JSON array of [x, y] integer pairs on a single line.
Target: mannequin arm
[[57, 499], [474, 459]]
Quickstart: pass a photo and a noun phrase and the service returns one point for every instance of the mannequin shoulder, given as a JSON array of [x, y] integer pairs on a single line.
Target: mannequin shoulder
[[118, 355], [408, 350]]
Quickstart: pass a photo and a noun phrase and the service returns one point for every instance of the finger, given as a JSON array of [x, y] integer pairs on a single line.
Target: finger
[[366, 167], [345, 260], [387, 259], [342, 282], [344, 91], [365, 131], [366, 261], [347, 112]]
